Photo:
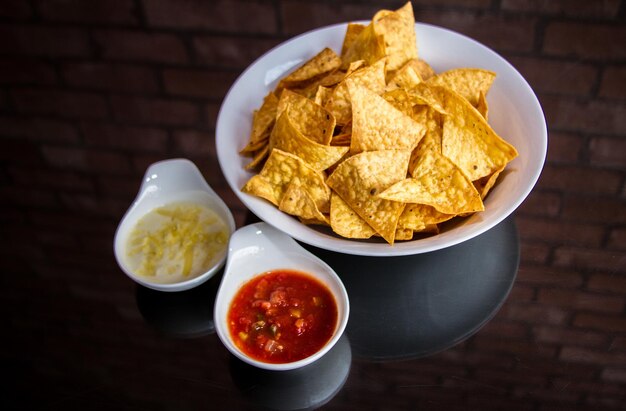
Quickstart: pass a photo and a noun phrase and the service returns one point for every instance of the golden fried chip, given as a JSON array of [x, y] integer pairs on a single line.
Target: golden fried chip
[[282, 169], [433, 97], [378, 125], [346, 222], [422, 68], [287, 137], [358, 180], [262, 122], [404, 78], [311, 119], [421, 217], [367, 46], [470, 142], [323, 62], [372, 77], [483, 106], [322, 95], [468, 82], [484, 185], [298, 202], [439, 183], [398, 31], [352, 33], [258, 157]]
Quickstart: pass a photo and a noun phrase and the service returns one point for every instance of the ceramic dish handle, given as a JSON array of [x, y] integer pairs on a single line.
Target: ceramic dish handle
[[174, 175]]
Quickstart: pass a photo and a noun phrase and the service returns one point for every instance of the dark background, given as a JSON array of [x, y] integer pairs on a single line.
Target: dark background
[[92, 92]]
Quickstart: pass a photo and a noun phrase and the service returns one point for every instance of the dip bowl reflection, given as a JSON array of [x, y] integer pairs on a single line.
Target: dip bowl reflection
[[259, 249]]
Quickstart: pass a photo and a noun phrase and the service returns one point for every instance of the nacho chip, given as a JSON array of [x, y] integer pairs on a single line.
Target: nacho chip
[[346, 222], [421, 217], [367, 46], [282, 169], [439, 183], [470, 142], [422, 68], [298, 202], [262, 122], [483, 106], [378, 125], [433, 97], [358, 180], [322, 63], [484, 185], [352, 33], [287, 137], [398, 30], [309, 118], [468, 82], [372, 77], [258, 157], [404, 78]]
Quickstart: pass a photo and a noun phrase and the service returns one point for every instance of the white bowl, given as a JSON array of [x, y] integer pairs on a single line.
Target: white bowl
[[256, 249], [514, 113], [165, 182]]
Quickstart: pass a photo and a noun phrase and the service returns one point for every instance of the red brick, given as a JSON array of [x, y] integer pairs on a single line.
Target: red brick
[[584, 355], [569, 336], [549, 276], [613, 83], [546, 395], [558, 232], [565, 148], [55, 179], [94, 204], [300, 16], [211, 112], [594, 209], [111, 77], [615, 375], [115, 187], [581, 8], [20, 152], [28, 197], [44, 41], [233, 52], [149, 111], [505, 329], [613, 283], [541, 203], [26, 72], [124, 137], [501, 32], [141, 46], [581, 300], [601, 322], [220, 15], [583, 115], [197, 83], [583, 180], [93, 160], [618, 344], [60, 103], [194, 142], [521, 293], [563, 77], [141, 161], [534, 253], [617, 239], [592, 40], [608, 152], [16, 10], [98, 11], [38, 129], [536, 313], [589, 259]]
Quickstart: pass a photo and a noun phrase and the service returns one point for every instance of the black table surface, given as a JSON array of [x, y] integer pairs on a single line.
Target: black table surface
[[410, 320]]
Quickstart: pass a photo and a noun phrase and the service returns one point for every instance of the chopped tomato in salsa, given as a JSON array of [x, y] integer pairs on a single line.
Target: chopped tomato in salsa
[[282, 316]]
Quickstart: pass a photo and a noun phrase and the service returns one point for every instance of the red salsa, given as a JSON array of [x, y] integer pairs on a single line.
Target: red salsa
[[282, 316]]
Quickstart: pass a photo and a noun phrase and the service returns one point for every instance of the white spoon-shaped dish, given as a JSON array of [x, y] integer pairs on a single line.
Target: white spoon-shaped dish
[[166, 182], [256, 249]]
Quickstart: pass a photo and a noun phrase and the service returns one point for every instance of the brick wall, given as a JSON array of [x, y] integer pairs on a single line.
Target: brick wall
[[92, 92]]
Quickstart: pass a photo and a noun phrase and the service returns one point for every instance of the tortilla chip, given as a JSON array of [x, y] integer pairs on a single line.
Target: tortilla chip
[[358, 180], [322, 63], [262, 122], [404, 78], [470, 142], [352, 33], [378, 125], [485, 184], [421, 217], [439, 183], [287, 137], [311, 119], [398, 31], [282, 169], [468, 82], [258, 157], [346, 222], [422, 68], [298, 202], [372, 77], [367, 46], [483, 106]]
